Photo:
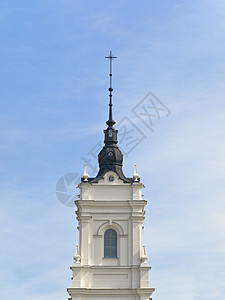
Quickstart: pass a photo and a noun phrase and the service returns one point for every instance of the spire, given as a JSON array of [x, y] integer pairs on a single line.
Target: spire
[[110, 57], [110, 158]]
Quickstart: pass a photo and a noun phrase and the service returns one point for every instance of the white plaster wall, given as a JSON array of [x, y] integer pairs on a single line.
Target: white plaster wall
[[119, 206]]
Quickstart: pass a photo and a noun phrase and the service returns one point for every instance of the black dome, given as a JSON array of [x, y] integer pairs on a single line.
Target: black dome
[[110, 158]]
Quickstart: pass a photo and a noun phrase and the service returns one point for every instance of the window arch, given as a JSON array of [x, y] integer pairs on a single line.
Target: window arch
[[110, 243]]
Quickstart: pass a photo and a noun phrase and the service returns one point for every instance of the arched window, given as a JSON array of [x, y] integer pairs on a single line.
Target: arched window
[[110, 243]]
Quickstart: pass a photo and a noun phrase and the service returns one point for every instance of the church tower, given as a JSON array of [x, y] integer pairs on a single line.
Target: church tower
[[110, 262]]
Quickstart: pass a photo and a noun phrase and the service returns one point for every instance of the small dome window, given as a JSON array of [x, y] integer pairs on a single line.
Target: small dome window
[[110, 133]]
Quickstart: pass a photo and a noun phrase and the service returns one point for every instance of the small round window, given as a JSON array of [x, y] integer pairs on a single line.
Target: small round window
[[111, 178]]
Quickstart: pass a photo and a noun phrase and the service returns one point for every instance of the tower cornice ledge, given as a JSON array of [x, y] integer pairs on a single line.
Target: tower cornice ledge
[[95, 267], [109, 291]]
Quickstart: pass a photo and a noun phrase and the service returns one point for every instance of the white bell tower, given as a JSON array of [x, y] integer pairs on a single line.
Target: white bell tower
[[110, 262]]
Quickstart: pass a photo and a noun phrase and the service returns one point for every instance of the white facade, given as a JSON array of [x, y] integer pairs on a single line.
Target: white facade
[[113, 204]]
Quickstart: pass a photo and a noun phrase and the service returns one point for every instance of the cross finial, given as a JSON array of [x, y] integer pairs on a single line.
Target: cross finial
[[110, 56], [110, 122]]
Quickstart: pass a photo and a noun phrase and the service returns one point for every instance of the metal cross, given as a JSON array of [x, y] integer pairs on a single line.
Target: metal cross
[[110, 57]]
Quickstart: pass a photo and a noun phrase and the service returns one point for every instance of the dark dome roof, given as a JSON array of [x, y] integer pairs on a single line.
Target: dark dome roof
[[110, 158]]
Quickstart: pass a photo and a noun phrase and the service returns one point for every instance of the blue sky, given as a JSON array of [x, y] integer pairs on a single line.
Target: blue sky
[[53, 93]]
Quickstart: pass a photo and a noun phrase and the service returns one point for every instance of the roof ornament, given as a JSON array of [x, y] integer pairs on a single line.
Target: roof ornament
[[144, 256], [110, 57], [136, 176], [77, 255], [85, 175]]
